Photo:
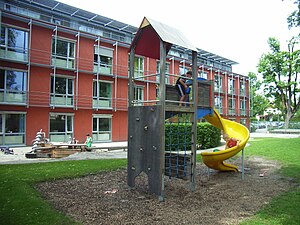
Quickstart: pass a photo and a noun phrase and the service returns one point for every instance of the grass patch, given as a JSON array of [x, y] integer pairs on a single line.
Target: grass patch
[[283, 209], [284, 150], [21, 204]]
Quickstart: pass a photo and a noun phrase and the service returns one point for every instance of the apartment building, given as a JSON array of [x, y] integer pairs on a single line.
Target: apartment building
[[65, 70]]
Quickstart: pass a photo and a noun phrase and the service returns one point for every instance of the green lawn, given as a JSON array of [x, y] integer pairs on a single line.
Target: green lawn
[[21, 204], [283, 210]]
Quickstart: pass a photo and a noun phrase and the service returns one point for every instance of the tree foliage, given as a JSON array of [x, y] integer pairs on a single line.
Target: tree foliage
[[294, 18], [259, 102], [280, 71]]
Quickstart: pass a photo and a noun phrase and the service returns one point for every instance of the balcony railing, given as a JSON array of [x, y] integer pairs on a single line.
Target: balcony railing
[[13, 97], [16, 54], [103, 69], [102, 103], [61, 100]]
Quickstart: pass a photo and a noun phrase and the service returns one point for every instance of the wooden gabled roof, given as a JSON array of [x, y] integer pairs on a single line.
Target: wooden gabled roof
[[147, 39]]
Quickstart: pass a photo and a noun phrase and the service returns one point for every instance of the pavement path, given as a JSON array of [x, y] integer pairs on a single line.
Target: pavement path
[[19, 153]]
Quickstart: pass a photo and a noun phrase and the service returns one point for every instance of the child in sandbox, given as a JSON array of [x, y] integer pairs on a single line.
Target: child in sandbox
[[230, 142]]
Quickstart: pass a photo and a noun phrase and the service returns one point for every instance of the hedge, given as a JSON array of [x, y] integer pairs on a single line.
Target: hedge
[[178, 136]]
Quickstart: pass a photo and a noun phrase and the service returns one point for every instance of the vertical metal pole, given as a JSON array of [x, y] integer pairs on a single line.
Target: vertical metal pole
[[162, 93], [131, 71], [219, 92], [243, 166], [194, 122], [98, 71], [116, 76], [232, 96], [238, 96], [77, 68], [226, 95], [173, 70], [29, 62], [54, 69]]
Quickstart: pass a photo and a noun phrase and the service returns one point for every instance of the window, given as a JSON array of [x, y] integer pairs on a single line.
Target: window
[[12, 131], [218, 83], [102, 128], [103, 60], [61, 127], [243, 121], [14, 44], [183, 69], [13, 86], [167, 76], [218, 104], [62, 91], [139, 95], [231, 106], [138, 67], [102, 94], [242, 88], [63, 53], [230, 85], [243, 107], [203, 74]]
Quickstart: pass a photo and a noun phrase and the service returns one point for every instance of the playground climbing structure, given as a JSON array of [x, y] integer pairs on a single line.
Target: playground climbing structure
[[162, 133], [150, 150]]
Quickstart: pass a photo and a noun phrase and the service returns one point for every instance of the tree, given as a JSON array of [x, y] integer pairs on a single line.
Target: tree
[[280, 71], [259, 103], [294, 18]]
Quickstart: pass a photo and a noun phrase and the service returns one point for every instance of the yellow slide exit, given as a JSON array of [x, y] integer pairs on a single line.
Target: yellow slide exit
[[215, 160]]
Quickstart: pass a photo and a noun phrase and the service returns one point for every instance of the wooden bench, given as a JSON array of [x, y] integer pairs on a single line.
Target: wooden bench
[[108, 148]]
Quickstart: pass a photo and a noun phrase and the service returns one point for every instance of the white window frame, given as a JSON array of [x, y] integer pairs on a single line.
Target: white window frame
[[139, 95], [14, 53], [202, 74], [139, 70], [14, 96], [243, 107], [11, 137], [167, 75], [63, 61], [103, 67], [61, 99], [218, 101], [61, 136], [218, 83], [230, 85], [100, 102], [102, 136], [231, 106]]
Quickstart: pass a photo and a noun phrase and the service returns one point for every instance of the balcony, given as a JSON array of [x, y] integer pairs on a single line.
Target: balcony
[[103, 69], [61, 100], [62, 62], [14, 54], [102, 103], [11, 97]]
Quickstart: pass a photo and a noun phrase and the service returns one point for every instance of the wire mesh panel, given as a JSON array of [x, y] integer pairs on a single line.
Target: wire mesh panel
[[178, 146]]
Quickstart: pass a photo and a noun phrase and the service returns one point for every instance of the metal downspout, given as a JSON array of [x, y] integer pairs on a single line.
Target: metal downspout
[[116, 77], [54, 66], [29, 62], [77, 69]]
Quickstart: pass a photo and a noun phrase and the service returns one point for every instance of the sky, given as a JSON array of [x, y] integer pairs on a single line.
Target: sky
[[234, 29]]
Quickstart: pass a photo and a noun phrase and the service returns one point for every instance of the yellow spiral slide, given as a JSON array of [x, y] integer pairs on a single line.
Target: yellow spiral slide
[[215, 160]]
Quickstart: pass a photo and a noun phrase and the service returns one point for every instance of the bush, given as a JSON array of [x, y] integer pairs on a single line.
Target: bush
[[208, 136], [178, 136]]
